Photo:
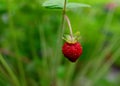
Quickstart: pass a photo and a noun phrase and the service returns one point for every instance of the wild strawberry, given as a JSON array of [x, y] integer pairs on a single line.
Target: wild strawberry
[[72, 49]]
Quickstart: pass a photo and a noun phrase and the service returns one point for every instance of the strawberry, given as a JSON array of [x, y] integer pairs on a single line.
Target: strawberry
[[72, 49]]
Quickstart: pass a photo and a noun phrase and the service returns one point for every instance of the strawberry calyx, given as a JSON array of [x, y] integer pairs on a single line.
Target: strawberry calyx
[[71, 39]]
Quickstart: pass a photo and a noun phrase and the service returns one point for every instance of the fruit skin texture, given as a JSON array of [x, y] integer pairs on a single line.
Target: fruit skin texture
[[72, 51]]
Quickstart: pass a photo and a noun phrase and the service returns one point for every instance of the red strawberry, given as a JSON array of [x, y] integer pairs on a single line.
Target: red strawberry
[[72, 49]]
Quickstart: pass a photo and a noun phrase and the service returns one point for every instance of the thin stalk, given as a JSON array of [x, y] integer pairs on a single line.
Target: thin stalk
[[58, 59], [64, 12], [10, 72], [69, 24], [60, 34]]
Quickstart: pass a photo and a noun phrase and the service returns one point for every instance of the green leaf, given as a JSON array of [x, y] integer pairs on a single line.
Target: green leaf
[[76, 5], [54, 4], [59, 4]]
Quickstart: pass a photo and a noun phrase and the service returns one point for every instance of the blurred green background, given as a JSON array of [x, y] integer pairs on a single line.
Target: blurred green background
[[30, 44]]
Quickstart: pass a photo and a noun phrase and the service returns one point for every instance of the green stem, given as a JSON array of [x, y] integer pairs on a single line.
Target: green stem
[[12, 75], [63, 16], [60, 34], [58, 59], [69, 24]]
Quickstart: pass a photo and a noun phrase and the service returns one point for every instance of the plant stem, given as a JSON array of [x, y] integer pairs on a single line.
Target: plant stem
[[60, 32], [15, 80], [63, 16], [69, 24], [58, 54]]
